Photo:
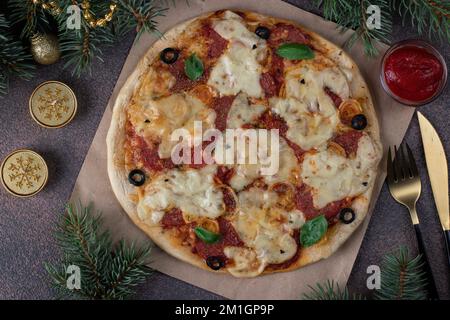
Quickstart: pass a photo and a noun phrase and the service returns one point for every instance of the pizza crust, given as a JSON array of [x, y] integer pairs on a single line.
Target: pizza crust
[[335, 236]]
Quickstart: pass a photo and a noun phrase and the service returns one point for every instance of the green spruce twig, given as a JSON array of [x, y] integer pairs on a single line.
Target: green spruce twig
[[29, 16], [14, 60], [106, 271], [81, 47], [330, 291], [402, 278], [351, 14], [429, 17]]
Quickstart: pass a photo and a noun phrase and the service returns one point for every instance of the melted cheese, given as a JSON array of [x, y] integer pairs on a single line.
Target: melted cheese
[[241, 112], [263, 230], [256, 198], [245, 262], [288, 167], [238, 68], [309, 112], [330, 176], [165, 115], [192, 191], [334, 177], [307, 81], [155, 84], [367, 157], [295, 220], [307, 129]]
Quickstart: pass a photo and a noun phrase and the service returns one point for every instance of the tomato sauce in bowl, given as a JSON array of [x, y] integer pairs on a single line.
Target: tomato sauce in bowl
[[413, 72]]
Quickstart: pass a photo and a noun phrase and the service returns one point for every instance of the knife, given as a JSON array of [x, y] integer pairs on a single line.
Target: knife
[[438, 173]]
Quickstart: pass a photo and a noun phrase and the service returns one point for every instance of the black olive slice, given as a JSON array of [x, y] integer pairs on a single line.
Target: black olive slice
[[263, 32], [347, 215], [215, 262], [136, 177], [169, 55], [359, 122]]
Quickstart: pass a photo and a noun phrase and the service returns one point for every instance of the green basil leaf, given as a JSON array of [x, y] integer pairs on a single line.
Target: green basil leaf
[[206, 235], [313, 230], [193, 67], [295, 51]]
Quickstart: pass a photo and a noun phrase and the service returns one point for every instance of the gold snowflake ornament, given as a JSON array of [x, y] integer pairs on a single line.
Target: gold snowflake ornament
[[24, 173], [53, 104]]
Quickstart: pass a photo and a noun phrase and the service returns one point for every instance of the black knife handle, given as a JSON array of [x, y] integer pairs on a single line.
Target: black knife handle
[[431, 284], [447, 244]]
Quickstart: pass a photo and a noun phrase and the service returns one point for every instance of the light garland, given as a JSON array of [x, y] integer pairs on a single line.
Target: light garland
[[55, 9]]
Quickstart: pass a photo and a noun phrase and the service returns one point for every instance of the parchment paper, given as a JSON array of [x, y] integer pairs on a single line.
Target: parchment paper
[[93, 185]]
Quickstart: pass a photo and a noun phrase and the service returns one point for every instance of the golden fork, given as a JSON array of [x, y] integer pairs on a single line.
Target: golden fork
[[405, 187]]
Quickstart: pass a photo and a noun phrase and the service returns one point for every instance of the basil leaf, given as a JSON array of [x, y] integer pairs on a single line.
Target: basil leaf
[[313, 230], [193, 67], [206, 235], [295, 51]]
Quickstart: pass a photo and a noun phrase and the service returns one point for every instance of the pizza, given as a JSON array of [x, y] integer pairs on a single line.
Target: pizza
[[242, 71]]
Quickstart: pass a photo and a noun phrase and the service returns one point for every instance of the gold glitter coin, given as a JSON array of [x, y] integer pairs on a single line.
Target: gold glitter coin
[[24, 173], [53, 104]]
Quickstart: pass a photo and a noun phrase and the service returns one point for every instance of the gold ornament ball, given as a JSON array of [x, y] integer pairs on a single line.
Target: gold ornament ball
[[45, 48]]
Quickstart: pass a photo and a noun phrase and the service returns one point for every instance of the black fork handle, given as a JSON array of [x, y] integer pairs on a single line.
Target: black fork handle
[[429, 274], [447, 244]]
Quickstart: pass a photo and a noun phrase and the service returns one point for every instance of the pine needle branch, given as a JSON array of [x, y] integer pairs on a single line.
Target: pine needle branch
[[30, 16], [330, 291], [13, 58], [402, 278], [351, 14], [429, 17], [106, 271], [81, 47], [139, 15]]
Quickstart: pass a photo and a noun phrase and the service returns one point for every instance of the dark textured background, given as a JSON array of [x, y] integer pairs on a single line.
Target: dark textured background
[[26, 224]]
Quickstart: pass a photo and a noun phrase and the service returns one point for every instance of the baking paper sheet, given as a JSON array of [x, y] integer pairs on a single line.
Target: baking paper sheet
[[93, 185]]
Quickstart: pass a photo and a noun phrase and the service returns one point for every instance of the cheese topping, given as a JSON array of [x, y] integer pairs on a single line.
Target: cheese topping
[[159, 118], [241, 112], [245, 262], [263, 230], [334, 177], [309, 112], [238, 68], [247, 173], [307, 81], [307, 129], [192, 191]]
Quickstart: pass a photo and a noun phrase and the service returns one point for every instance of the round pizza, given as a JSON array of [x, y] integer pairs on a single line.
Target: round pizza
[[244, 75]]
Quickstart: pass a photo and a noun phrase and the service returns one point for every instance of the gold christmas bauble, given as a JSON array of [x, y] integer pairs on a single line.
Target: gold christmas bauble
[[45, 48]]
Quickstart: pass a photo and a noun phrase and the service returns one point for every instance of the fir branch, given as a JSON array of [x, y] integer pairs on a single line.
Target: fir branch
[[81, 47], [351, 14], [14, 60], [30, 16], [330, 291], [139, 15], [4, 83], [107, 271], [128, 270], [402, 278], [431, 17]]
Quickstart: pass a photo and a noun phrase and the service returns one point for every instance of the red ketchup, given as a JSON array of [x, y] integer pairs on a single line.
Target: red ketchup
[[412, 73]]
